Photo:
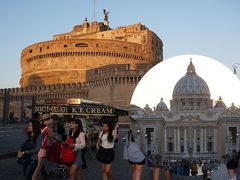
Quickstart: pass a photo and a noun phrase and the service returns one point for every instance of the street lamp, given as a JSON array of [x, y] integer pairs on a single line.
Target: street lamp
[[235, 66], [231, 143]]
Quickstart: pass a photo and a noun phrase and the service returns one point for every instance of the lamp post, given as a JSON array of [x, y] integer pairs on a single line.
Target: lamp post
[[237, 141], [235, 66], [231, 144]]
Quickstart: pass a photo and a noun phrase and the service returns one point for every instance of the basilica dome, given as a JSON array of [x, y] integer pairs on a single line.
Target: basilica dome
[[220, 103], [191, 85], [162, 106], [191, 93]]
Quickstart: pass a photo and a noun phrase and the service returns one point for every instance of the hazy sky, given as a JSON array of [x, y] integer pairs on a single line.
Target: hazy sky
[[204, 27]]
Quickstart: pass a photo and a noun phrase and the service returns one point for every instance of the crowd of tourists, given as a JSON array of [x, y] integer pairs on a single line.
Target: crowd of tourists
[[189, 167], [68, 152]]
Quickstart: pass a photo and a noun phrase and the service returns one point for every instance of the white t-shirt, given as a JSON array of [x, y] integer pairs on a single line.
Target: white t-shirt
[[105, 143]]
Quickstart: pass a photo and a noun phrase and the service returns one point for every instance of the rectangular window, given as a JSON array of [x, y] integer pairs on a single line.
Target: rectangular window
[[209, 146], [182, 148], [148, 134], [233, 134], [198, 148], [170, 147]]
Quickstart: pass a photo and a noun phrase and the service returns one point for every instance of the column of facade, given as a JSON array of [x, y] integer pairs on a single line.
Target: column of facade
[[205, 139], [194, 141], [185, 140], [214, 139], [165, 140], [179, 140], [175, 140], [201, 140], [237, 139]]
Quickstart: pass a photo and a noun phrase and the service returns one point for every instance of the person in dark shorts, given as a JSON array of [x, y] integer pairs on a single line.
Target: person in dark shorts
[[105, 152], [232, 164], [134, 155]]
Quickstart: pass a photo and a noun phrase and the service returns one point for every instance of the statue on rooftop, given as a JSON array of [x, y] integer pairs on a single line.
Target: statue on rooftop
[[105, 12]]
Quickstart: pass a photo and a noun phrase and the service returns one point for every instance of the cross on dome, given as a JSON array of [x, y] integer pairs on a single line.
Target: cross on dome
[[191, 68]]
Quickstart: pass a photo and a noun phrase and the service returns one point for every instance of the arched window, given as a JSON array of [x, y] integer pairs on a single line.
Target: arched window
[[81, 45]]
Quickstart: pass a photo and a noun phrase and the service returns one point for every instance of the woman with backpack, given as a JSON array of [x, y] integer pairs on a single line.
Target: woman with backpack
[[71, 151], [105, 152], [28, 154], [134, 156]]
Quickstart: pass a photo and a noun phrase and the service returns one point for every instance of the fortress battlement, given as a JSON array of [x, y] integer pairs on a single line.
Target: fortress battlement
[[116, 71], [42, 88]]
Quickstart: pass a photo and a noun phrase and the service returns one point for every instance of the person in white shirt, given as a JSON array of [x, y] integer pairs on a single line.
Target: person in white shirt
[[105, 152]]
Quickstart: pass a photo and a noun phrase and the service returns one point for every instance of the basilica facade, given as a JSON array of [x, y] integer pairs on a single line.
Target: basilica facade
[[193, 127]]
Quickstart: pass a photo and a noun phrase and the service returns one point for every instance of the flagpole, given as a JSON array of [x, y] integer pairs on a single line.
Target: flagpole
[[94, 9]]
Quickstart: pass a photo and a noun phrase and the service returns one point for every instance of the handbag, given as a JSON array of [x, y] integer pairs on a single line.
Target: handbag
[[99, 154], [67, 154], [24, 160], [154, 161]]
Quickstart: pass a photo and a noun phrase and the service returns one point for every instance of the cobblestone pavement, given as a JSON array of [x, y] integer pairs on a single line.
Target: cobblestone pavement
[[12, 136]]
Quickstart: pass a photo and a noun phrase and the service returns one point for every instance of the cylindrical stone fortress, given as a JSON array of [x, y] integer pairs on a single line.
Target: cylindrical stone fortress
[[67, 58]]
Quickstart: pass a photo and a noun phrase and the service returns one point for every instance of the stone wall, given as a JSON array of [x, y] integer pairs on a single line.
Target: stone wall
[[115, 84]]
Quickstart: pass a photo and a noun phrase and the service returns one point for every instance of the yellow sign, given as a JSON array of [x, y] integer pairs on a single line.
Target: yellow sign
[[63, 101], [74, 101]]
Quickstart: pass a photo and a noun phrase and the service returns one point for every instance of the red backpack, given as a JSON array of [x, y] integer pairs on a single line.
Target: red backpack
[[67, 154], [54, 152]]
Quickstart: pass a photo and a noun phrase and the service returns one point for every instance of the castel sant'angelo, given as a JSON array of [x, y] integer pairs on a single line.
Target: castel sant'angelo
[[92, 62]]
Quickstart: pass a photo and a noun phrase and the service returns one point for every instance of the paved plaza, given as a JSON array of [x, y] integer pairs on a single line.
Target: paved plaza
[[12, 135]]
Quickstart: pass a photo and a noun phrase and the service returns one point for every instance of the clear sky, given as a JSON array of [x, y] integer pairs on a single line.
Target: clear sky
[[206, 27]]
